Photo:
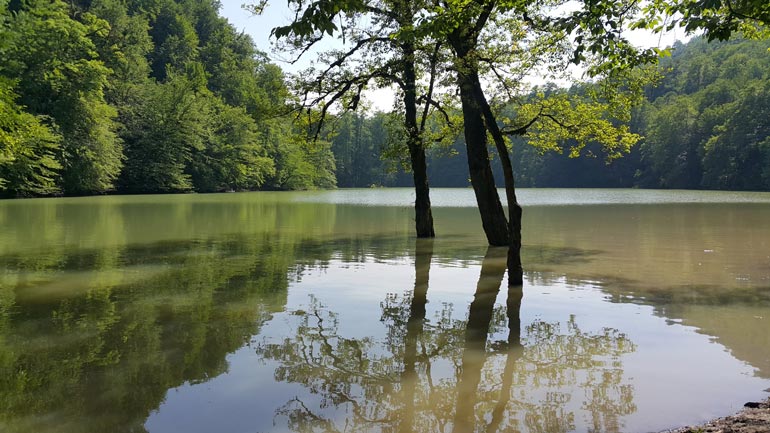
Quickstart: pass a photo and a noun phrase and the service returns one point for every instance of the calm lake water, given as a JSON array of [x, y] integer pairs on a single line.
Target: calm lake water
[[320, 312]]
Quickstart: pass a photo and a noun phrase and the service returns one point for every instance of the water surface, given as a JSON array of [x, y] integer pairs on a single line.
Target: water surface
[[320, 311]]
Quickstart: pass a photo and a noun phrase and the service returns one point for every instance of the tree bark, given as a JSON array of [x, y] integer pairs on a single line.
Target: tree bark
[[515, 270], [492, 214], [463, 41], [423, 215]]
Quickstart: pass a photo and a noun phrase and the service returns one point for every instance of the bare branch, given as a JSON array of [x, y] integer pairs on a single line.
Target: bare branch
[[523, 129], [429, 95], [360, 44], [435, 104], [305, 49]]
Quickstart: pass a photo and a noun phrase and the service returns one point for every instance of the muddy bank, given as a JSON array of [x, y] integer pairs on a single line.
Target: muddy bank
[[754, 418]]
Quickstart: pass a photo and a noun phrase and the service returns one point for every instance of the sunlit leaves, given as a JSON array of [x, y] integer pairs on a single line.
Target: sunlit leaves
[[28, 148], [718, 19], [707, 124], [574, 121], [59, 75]]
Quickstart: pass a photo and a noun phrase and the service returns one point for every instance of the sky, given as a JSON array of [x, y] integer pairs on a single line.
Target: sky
[[277, 13]]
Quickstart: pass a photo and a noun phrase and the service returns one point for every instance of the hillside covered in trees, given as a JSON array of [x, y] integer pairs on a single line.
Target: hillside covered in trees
[[142, 96], [161, 96], [705, 125]]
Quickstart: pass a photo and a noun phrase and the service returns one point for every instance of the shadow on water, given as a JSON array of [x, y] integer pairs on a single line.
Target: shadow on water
[[545, 257], [441, 373], [736, 317]]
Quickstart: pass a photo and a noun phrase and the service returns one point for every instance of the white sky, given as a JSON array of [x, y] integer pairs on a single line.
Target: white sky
[[277, 13]]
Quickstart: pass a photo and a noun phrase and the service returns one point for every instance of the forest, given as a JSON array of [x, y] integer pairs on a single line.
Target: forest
[[704, 125], [150, 96], [165, 96]]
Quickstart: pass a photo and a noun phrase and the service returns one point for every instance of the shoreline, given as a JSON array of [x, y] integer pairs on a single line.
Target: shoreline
[[753, 418]]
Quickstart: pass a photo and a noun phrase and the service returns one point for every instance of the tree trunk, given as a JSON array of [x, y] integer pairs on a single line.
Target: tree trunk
[[492, 214], [463, 41], [423, 215], [515, 270]]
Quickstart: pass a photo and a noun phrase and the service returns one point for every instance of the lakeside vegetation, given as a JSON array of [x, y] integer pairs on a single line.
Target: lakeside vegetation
[[301, 311], [143, 96], [706, 125], [163, 96]]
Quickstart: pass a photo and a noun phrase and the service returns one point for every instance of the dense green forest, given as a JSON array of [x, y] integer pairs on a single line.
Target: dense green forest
[[705, 125], [143, 96], [157, 96]]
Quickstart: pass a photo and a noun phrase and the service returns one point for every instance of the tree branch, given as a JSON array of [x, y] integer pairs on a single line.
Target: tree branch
[[431, 85]]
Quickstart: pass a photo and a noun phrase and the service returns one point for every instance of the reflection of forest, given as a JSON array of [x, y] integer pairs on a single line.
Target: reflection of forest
[[102, 360], [100, 316], [107, 303], [106, 306], [736, 317], [443, 374]]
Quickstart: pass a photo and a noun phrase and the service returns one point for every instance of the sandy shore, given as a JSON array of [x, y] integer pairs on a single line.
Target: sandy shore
[[754, 418]]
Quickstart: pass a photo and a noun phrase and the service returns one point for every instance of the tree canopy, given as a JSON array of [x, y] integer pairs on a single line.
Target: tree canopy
[[143, 96], [166, 96]]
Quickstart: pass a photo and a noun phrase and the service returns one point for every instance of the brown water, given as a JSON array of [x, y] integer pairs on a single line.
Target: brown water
[[319, 311]]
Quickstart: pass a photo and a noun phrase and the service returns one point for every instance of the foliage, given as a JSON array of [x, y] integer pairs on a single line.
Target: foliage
[[302, 162], [144, 96], [28, 149], [706, 123], [703, 125], [718, 19], [169, 128], [54, 61]]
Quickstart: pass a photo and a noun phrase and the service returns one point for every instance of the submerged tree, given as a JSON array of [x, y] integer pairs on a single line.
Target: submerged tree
[[503, 42], [382, 47]]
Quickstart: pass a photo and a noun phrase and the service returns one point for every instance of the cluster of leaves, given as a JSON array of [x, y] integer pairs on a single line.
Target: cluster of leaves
[[718, 19], [513, 40], [143, 96]]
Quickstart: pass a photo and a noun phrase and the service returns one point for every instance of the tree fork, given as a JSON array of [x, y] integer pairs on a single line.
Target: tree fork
[[492, 214], [515, 270]]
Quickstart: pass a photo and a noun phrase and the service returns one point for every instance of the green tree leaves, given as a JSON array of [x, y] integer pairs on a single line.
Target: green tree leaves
[[142, 96], [718, 19], [28, 149], [59, 75]]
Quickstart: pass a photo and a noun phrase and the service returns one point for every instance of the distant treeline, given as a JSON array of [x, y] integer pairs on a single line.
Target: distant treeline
[[158, 96], [705, 125], [143, 96]]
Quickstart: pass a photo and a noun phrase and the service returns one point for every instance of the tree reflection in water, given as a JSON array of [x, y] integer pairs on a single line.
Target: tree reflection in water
[[443, 375]]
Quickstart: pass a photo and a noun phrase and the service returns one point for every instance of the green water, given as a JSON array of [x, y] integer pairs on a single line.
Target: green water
[[320, 311]]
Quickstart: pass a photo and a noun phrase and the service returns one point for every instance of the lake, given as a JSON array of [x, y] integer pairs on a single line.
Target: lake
[[321, 312]]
